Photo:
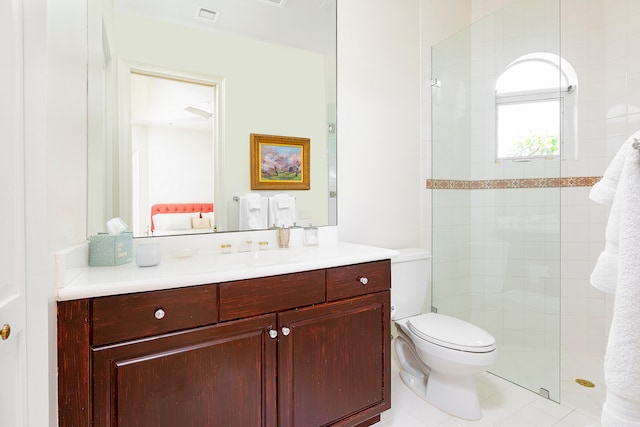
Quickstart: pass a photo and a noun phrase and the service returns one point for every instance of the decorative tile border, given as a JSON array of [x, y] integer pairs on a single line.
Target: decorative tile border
[[495, 184]]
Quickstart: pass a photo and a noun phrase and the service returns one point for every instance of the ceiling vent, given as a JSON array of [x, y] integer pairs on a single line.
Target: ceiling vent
[[207, 14], [277, 3]]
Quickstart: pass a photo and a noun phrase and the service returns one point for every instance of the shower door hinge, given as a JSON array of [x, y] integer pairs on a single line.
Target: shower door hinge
[[435, 82], [434, 309]]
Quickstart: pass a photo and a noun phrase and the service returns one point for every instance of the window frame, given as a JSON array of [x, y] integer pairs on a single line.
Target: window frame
[[565, 93]]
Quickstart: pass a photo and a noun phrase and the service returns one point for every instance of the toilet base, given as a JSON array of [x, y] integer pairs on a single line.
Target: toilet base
[[457, 396]]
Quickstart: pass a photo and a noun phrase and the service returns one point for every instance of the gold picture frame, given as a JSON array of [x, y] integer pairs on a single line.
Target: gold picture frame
[[279, 162]]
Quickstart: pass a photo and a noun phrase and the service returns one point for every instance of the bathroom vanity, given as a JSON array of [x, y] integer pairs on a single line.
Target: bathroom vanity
[[303, 342]]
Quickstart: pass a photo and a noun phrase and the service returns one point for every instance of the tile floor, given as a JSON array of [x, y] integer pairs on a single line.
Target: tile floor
[[507, 405]]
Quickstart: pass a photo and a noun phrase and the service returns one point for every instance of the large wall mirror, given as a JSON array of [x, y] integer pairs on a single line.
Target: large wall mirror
[[175, 92]]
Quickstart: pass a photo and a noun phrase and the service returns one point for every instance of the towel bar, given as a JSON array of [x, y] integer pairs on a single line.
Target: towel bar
[[237, 198]]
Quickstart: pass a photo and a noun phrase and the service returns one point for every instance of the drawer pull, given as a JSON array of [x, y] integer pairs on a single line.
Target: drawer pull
[[364, 280], [273, 333], [285, 331], [159, 314]]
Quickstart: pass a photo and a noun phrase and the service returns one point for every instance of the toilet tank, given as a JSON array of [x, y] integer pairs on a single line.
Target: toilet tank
[[410, 279]]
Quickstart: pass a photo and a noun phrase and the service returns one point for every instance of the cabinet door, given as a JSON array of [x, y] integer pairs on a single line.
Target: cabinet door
[[334, 362], [222, 375]]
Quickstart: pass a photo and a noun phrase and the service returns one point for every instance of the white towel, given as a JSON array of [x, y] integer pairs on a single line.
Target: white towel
[[621, 364], [604, 275], [253, 212], [254, 201], [604, 190], [282, 210], [283, 201], [619, 412]]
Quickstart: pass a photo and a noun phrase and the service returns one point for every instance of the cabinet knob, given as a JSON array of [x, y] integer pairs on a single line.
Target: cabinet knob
[[285, 331], [159, 314], [5, 331], [273, 333], [364, 280]]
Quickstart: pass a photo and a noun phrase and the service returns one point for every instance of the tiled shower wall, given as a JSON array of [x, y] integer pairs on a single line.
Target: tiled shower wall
[[598, 38]]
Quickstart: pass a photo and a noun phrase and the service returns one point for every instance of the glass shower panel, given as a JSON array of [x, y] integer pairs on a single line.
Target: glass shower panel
[[496, 222]]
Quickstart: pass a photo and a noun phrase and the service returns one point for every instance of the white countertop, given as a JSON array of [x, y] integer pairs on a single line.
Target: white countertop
[[209, 266]]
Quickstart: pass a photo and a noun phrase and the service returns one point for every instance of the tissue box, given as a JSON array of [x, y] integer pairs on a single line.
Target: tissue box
[[108, 249]]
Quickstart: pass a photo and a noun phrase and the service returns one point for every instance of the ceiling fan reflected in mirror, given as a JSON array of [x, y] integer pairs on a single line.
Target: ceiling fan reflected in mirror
[[199, 112]]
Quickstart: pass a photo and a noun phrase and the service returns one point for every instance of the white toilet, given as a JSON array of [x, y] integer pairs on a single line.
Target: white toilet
[[439, 355]]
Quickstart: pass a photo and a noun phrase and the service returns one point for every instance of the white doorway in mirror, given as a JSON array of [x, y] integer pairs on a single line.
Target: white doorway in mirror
[[173, 140]]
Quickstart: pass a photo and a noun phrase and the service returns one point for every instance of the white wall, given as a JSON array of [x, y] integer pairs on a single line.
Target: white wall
[[379, 175], [57, 175], [600, 38], [175, 167], [182, 153]]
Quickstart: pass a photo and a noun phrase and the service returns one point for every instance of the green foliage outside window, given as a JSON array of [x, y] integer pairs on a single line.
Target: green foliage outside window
[[536, 145]]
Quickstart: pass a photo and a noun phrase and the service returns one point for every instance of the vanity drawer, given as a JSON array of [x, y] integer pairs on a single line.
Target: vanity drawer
[[244, 298], [131, 316], [358, 279]]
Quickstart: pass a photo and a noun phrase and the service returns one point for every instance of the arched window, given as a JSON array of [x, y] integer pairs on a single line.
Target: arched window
[[536, 108]]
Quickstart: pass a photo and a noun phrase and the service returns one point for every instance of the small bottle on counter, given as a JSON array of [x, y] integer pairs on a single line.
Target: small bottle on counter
[[225, 248], [310, 235], [263, 245]]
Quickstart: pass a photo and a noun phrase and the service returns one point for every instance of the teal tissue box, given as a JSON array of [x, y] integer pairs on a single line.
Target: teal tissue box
[[108, 249]]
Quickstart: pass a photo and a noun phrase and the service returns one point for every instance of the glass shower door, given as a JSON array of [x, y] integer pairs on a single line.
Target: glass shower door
[[496, 220]]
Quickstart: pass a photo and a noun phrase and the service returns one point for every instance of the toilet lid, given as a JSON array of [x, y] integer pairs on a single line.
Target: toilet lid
[[453, 333]]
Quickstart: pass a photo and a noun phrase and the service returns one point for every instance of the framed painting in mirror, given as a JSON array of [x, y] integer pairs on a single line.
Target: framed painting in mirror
[[279, 162]]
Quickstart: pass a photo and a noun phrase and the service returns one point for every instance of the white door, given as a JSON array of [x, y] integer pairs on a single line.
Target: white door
[[12, 251]]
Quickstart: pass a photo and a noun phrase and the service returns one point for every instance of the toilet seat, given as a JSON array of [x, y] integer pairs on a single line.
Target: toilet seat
[[450, 332]]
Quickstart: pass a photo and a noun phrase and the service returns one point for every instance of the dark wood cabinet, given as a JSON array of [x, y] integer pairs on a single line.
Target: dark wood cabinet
[[221, 375], [271, 351], [334, 364]]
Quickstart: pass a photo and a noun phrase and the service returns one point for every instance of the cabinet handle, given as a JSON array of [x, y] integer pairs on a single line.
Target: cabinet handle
[[364, 280], [285, 331], [273, 333], [159, 314]]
